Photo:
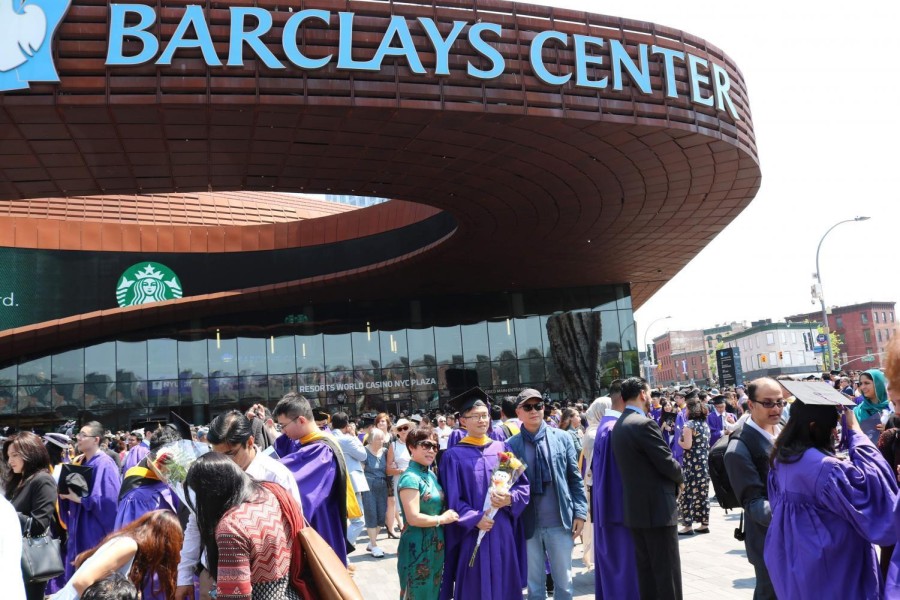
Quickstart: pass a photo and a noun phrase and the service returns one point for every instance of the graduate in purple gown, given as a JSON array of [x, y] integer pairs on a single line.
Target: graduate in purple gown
[[455, 436], [90, 519], [615, 574], [827, 512], [499, 571], [320, 471], [142, 491], [137, 453]]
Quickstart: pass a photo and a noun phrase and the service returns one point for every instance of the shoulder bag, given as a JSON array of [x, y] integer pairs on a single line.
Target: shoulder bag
[[41, 558]]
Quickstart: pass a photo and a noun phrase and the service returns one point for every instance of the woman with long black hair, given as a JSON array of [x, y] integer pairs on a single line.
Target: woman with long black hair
[[827, 511], [246, 535], [31, 490]]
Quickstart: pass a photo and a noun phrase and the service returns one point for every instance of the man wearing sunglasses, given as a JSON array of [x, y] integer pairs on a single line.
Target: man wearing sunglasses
[[747, 465], [557, 508]]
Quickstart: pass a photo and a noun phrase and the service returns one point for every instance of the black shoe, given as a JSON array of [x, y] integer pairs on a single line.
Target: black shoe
[[549, 584]]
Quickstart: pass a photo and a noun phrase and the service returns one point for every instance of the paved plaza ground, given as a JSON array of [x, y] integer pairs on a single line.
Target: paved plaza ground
[[713, 566]]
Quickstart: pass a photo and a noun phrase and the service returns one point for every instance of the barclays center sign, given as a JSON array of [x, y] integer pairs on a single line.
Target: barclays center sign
[[133, 40]]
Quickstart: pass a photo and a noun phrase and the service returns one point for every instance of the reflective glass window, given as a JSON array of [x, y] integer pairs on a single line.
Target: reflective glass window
[[603, 297], [193, 388], [312, 386], [475, 342], [253, 388], [162, 359], [223, 392], [393, 349], [279, 385], [502, 338], [531, 372], [310, 353], [34, 386], [528, 337], [366, 352], [131, 394], [222, 357], [68, 367], [8, 375], [505, 372], [628, 333], [282, 355], [252, 356], [448, 345], [340, 388], [131, 361], [421, 346], [338, 352], [163, 394], [192, 359], [8, 405]]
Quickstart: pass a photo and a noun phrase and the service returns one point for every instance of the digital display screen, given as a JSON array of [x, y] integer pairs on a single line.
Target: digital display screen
[[41, 285]]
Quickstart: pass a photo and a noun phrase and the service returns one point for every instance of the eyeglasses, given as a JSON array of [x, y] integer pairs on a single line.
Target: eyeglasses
[[283, 425], [770, 405], [403, 428], [482, 417], [428, 445], [531, 407], [81, 435]]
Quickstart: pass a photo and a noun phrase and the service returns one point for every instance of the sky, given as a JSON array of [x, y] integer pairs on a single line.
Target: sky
[[824, 86]]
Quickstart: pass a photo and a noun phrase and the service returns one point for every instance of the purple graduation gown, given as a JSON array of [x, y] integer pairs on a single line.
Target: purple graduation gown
[[500, 570], [715, 427], [677, 450], [90, 521], [285, 445], [455, 436], [315, 468], [892, 584], [826, 515], [615, 575], [134, 456]]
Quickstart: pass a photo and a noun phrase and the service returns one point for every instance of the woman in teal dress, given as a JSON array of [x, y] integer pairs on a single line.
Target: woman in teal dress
[[420, 556]]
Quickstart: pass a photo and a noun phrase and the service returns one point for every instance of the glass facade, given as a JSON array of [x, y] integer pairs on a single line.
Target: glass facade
[[365, 357]]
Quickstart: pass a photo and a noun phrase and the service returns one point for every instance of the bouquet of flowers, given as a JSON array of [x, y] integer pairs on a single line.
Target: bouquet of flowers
[[504, 476], [173, 461]]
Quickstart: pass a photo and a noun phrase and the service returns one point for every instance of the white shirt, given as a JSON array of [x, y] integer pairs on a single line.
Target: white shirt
[[444, 435], [765, 434], [262, 468], [11, 552]]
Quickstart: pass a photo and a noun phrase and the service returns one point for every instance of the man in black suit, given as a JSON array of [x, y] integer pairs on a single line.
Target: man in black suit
[[747, 464], [650, 480]]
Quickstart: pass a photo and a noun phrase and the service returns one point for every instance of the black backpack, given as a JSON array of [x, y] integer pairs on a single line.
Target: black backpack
[[725, 495]]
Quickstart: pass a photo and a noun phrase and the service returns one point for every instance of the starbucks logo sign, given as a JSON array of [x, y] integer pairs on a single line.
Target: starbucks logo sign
[[147, 282]]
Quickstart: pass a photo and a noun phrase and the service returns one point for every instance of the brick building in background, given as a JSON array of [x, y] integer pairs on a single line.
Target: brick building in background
[[681, 358], [865, 330]]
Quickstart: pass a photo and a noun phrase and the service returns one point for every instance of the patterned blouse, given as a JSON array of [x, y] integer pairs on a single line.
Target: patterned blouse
[[254, 552]]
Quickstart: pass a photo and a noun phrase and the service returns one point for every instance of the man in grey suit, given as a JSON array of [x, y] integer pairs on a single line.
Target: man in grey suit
[[747, 464], [650, 482]]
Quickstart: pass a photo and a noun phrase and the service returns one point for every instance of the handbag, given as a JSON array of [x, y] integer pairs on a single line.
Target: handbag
[[328, 573], [41, 558]]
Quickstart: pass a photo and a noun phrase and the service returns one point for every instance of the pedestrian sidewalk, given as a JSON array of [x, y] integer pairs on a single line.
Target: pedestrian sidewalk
[[713, 565]]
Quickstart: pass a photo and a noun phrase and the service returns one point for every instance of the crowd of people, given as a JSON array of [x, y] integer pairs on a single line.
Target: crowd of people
[[488, 497]]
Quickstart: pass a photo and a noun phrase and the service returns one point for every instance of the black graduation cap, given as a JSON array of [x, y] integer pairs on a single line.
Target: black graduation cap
[[183, 427], [365, 421], [816, 392], [720, 399], [465, 401], [150, 426], [320, 414]]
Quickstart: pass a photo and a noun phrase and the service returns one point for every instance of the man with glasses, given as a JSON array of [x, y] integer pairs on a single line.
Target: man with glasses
[[747, 465], [498, 570], [557, 507], [90, 514], [318, 466]]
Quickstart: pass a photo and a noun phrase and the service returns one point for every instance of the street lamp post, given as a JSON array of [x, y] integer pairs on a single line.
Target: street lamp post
[[827, 330], [647, 360]]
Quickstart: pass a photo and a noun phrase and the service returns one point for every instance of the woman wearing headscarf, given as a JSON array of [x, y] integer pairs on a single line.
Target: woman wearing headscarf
[[593, 414], [873, 395]]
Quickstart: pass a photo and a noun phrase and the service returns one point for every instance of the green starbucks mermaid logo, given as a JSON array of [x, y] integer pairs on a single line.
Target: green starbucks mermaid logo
[[147, 282]]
